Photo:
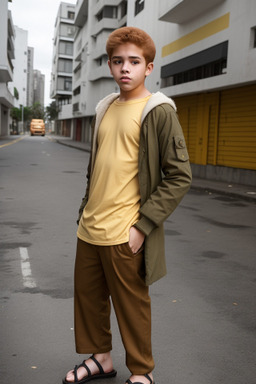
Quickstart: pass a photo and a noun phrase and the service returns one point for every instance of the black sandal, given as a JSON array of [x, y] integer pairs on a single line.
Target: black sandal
[[101, 375], [147, 377]]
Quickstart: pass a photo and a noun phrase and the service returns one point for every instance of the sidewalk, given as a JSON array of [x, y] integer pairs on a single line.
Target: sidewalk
[[240, 191]]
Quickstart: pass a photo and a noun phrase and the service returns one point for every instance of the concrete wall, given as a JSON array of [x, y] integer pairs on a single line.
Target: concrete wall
[[20, 66]]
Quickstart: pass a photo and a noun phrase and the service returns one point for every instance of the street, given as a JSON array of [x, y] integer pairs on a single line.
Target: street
[[203, 311]]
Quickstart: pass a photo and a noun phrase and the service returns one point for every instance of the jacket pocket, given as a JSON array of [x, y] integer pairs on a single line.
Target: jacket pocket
[[180, 148]]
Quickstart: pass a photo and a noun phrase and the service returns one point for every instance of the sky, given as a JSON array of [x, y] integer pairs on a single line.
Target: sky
[[38, 18]]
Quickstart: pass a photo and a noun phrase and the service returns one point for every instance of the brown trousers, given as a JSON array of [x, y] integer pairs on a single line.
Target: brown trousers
[[102, 272]]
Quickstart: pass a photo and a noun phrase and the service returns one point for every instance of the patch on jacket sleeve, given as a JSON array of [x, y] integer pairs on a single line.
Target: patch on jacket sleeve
[[180, 148]]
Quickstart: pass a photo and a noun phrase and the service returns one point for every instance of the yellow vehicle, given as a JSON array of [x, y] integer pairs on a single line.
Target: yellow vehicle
[[37, 127]]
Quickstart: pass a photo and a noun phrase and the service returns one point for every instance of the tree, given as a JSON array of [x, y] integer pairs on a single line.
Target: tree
[[27, 113], [16, 93], [51, 111], [37, 111], [16, 114]]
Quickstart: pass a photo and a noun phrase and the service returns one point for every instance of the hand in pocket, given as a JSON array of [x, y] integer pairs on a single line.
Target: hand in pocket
[[136, 239]]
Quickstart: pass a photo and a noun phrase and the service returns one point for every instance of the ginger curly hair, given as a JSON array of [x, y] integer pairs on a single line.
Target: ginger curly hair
[[134, 36]]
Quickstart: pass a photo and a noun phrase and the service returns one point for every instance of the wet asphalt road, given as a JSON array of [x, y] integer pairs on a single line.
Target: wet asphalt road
[[204, 310]]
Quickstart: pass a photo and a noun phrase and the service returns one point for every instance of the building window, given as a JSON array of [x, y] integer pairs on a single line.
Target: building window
[[253, 34], [77, 91], [123, 7], [64, 84], [71, 15], [77, 68], [198, 73], [101, 60], [67, 30], [76, 107], [139, 6], [65, 65], [107, 12], [208, 63], [66, 48], [68, 84]]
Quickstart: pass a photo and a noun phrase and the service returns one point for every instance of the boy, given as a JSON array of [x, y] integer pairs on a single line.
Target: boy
[[138, 173]]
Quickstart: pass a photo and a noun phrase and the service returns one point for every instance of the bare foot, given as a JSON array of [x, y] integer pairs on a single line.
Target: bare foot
[[103, 358]]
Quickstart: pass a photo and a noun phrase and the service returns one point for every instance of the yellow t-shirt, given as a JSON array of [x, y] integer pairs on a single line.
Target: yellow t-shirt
[[114, 200]]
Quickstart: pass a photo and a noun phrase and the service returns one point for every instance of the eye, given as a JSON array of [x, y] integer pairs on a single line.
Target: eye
[[116, 62], [135, 62]]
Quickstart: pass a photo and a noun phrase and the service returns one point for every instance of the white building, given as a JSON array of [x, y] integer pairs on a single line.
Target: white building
[[6, 66], [38, 87], [20, 67], [62, 64], [206, 55], [30, 76], [91, 76]]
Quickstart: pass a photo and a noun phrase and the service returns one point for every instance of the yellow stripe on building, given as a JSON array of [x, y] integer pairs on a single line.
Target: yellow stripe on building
[[199, 34]]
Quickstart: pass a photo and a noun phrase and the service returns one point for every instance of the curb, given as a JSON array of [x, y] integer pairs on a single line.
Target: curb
[[221, 191], [231, 194]]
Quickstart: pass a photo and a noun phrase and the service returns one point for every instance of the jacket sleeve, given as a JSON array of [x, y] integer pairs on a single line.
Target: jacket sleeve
[[175, 167], [88, 175], [85, 198]]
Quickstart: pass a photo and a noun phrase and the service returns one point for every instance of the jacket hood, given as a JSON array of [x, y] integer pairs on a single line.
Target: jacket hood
[[155, 100]]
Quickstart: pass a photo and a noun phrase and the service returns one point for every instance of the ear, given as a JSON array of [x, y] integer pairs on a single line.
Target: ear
[[109, 64], [149, 68]]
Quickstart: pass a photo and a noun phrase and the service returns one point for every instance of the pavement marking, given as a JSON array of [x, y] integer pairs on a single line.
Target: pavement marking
[[12, 142], [28, 280]]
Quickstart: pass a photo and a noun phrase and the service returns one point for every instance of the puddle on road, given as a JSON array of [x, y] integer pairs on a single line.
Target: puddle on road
[[170, 232], [221, 224], [70, 172], [54, 293], [6, 246], [25, 228], [231, 200], [213, 254]]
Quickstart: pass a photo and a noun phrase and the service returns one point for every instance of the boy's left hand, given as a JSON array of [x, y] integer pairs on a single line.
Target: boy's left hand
[[136, 239]]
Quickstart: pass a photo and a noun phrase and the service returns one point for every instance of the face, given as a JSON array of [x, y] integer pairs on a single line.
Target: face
[[128, 67]]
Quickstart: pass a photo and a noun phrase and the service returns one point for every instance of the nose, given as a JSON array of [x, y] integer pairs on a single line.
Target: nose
[[125, 68]]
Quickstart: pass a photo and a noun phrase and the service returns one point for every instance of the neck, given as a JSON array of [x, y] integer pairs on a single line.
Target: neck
[[134, 94]]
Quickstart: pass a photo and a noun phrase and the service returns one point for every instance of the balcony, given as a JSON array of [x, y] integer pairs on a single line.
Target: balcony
[[182, 11], [100, 73], [6, 98], [6, 72], [63, 73], [106, 23], [61, 92], [102, 3], [81, 12]]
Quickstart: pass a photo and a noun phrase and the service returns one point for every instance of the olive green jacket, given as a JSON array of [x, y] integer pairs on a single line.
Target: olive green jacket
[[164, 174]]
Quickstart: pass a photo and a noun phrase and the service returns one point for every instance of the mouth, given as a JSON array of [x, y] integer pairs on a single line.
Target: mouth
[[125, 79]]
